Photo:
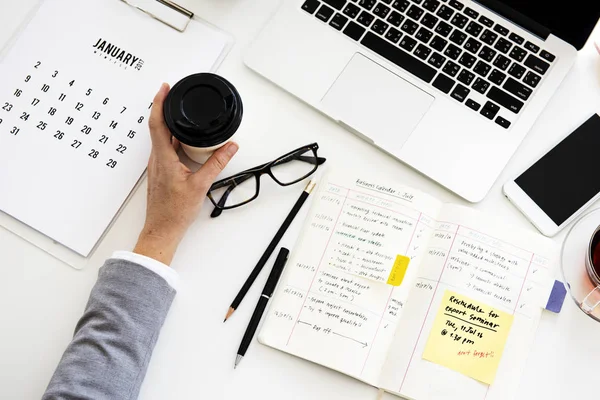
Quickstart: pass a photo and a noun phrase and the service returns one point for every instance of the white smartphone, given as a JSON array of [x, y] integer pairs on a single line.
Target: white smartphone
[[562, 183]]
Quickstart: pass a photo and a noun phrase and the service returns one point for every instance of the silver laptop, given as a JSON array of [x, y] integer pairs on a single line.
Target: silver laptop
[[449, 87]]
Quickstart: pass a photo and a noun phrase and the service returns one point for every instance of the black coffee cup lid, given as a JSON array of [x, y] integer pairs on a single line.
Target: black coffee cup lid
[[203, 110]]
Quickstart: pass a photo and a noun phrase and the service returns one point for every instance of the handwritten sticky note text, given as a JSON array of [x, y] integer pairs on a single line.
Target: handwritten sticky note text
[[398, 270], [468, 336]]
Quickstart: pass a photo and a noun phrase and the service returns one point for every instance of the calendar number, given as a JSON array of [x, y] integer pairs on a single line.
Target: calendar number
[[76, 144], [94, 153], [131, 134], [103, 139], [96, 115], [59, 135], [52, 111], [27, 78], [86, 129], [45, 88], [24, 116], [124, 108], [37, 64], [71, 83], [35, 102], [14, 130], [7, 107], [62, 97], [111, 163], [42, 125], [121, 149], [0, 121], [55, 74], [150, 106], [79, 106], [114, 124], [69, 121], [141, 120], [105, 102], [89, 91], [18, 93]]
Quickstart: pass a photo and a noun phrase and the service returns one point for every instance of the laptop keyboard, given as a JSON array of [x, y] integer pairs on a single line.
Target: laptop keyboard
[[450, 46]]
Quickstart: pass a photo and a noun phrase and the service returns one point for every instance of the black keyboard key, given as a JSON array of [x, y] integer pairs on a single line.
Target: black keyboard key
[[459, 20], [408, 43], [467, 60], [310, 6], [532, 79], [431, 5], [532, 47], [351, 10], [517, 88], [337, 4], [443, 29], [437, 60], [474, 29], [400, 5], [365, 18], [414, 12], [453, 52], [458, 37], [490, 110], [497, 77], [517, 53], [451, 68], [422, 52], [438, 43], [537, 64], [424, 35], [502, 62], [486, 21], [505, 100], [517, 70], [367, 4], [409, 26], [481, 85], [379, 27], [482, 68], [443, 83], [398, 56], [502, 122], [429, 21], [472, 104], [354, 30], [338, 21], [487, 53], [547, 56], [460, 93], [501, 30], [456, 4], [466, 77], [395, 18], [503, 45], [445, 12], [472, 45], [516, 38], [381, 10], [324, 13], [471, 13], [488, 37], [393, 35]]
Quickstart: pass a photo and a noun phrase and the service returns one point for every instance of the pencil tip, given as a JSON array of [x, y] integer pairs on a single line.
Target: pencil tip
[[229, 313], [238, 358]]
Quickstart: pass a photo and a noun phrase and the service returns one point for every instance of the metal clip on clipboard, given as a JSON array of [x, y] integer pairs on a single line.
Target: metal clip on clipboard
[[165, 11]]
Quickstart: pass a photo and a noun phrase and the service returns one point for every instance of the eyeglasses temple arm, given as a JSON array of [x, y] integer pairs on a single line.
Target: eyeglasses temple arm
[[218, 210]]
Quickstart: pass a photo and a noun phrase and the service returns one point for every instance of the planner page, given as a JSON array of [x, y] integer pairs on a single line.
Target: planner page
[[76, 88], [478, 257], [332, 306]]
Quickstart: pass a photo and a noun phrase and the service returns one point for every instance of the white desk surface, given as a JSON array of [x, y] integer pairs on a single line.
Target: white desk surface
[[41, 299]]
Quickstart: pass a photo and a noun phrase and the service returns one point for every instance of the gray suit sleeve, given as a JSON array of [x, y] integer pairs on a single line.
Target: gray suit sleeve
[[114, 339]]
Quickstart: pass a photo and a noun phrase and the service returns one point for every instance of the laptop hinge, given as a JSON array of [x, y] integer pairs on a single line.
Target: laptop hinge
[[516, 17]]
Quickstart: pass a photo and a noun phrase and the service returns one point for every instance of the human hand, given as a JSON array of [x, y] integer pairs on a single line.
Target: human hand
[[175, 193]]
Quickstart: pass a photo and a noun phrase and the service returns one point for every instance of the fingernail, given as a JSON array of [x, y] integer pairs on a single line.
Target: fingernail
[[232, 149]]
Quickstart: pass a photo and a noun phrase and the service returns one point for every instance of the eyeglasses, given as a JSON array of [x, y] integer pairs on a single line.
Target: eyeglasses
[[244, 187]]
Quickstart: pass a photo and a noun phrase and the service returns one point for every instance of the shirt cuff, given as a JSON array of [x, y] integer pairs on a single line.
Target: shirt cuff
[[160, 269]]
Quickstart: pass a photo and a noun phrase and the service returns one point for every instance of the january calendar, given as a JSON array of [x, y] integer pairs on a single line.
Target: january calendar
[[76, 87]]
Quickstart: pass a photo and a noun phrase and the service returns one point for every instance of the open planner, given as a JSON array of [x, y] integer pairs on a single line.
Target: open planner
[[334, 304], [76, 86]]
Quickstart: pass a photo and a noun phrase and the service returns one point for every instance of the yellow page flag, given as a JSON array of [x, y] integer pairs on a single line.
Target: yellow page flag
[[468, 336]]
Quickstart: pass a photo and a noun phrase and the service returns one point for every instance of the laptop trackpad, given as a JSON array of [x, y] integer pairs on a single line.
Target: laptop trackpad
[[376, 103]]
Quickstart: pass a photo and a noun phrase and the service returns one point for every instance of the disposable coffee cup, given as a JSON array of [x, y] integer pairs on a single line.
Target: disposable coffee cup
[[203, 111]]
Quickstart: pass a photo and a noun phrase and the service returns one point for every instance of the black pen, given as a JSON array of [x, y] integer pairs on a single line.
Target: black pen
[[262, 303]]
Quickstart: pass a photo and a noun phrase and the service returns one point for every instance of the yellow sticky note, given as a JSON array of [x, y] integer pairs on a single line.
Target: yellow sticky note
[[468, 336], [398, 270]]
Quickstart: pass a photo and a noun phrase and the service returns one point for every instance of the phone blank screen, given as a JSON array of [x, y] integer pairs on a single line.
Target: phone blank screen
[[568, 176]]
